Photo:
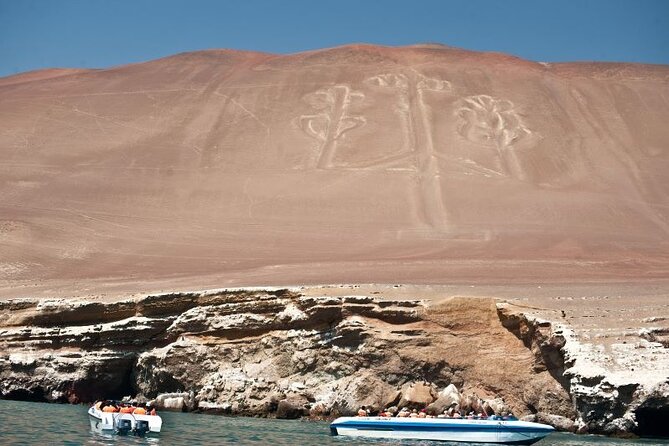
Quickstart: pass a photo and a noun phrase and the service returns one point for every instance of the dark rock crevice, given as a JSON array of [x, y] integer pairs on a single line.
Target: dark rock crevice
[[652, 421], [32, 394]]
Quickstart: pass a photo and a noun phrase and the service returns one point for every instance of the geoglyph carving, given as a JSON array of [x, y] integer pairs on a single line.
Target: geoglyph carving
[[389, 80], [430, 84], [332, 120], [494, 123], [418, 148]]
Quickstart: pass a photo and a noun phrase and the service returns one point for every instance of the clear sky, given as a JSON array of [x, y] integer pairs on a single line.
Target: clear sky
[[101, 33]]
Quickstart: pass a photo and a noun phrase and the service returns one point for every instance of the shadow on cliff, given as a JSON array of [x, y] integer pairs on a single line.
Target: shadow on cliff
[[545, 343], [652, 418]]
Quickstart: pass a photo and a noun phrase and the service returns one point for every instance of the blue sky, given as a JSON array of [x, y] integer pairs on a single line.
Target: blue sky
[[101, 33]]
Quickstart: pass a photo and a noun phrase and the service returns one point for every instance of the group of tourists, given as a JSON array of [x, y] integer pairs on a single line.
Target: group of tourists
[[123, 407], [451, 412]]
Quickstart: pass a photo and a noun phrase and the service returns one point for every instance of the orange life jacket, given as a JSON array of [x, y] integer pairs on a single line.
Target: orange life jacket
[[109, 409], [126, 409], [139, 411]]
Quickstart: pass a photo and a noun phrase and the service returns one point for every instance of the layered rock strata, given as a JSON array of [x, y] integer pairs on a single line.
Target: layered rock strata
[[616, 388], [279, 352]]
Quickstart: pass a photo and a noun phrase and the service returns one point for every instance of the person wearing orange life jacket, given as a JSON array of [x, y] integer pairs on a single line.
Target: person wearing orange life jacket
[[109, 408], [126, 409], [139, 411], [150, 409]]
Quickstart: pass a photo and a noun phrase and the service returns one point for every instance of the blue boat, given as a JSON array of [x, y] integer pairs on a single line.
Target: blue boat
[[442, 429]]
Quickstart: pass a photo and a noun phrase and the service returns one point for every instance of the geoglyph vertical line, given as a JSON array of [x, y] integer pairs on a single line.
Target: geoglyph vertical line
[[428, 165], [333, 120], [416, 123]]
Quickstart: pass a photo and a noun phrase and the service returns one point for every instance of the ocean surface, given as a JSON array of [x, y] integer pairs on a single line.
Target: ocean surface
[[23, 423]]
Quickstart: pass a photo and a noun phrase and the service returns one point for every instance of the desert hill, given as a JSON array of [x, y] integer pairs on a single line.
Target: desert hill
[[421, 164]]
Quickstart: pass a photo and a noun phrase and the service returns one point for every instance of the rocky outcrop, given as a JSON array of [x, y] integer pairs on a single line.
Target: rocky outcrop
[[606, 399], [284, 354]]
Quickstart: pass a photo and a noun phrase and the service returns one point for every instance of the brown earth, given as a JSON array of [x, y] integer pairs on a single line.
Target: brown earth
[[420, 164]]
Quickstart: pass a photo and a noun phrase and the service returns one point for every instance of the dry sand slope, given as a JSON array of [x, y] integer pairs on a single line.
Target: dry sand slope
[[421, 164]]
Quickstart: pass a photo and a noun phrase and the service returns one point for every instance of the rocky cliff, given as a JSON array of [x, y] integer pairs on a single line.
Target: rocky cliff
[[281, 352]]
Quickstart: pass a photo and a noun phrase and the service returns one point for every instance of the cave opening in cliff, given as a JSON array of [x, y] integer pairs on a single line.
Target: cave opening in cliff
[[653, 421], [34, 395]]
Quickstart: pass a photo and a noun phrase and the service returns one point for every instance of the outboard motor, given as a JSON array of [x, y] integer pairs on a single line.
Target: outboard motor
[[141, 428], [123, 426]]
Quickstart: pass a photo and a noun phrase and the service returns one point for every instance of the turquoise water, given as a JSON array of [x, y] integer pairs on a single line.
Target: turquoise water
[[42, 424]]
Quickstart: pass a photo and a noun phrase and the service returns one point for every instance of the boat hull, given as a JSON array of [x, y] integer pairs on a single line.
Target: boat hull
[[442, 429], [107, 422]]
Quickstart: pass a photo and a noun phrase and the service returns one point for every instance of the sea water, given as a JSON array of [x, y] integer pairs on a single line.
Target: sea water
[[23, 423]]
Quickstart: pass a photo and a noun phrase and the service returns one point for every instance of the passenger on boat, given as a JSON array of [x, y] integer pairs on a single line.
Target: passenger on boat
[[139, 411], [457, 414], [126, 409], [384, 413], [109, 407], [150, 409], [422, 414], [404, 413], [362, 412], [413, 414]]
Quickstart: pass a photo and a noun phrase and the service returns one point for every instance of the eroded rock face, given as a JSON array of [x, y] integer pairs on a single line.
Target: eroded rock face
[[283, 354], [606, 399]]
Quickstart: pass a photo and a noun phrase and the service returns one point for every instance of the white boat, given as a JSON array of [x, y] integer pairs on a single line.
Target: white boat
[[442, 429], [124, 423]]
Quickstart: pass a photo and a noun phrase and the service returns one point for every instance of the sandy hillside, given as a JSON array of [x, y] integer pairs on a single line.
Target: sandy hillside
[[364, 164]]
